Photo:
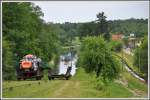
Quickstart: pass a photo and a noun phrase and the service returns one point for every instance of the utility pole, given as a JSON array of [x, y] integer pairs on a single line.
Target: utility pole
[[71, 49], [139, 59], [122, 57], [104, 56]]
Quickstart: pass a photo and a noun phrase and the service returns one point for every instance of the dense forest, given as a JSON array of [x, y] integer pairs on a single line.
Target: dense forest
[[25, 32]]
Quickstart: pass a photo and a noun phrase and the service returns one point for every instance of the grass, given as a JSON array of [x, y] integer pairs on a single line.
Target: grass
[[34, 90], [89, 88], [129, 59], [134, 83], [118, 91], [82, 85], [7, 84]]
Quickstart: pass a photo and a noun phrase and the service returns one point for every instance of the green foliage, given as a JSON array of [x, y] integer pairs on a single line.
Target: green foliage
[[116, 45], [21, 25], [67, 32], [102, 26], [95, 56], [137, 26], [141, 58], [8, 62], [95, 28], [27, 33], [49, 43]]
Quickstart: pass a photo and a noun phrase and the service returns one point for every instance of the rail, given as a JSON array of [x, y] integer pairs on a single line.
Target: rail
[[135, 74]]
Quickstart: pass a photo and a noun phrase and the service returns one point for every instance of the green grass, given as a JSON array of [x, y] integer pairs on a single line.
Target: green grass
[[118, 91], [82, 85], [7, 84], [81, 75], [89, 88], [134, 83], [129, 59], [34, 90]]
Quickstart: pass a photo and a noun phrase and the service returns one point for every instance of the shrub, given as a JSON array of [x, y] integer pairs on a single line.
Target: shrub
[[116, 45]]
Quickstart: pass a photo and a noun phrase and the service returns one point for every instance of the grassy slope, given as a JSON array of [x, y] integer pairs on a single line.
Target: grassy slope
[[138, 88], [82, 85], [129, 60], [90, 88], [133, 83]]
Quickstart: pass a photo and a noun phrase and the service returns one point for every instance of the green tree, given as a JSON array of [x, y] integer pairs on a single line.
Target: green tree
[[49, 43], [102, 25], [95, 56], [21, 25], [26, 33]]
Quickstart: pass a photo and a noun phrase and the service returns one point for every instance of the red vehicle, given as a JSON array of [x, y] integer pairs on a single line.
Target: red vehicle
[[30, 67]]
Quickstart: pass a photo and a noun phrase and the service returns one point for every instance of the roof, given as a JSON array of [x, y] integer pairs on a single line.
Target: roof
[[116, 37], [29, 56]]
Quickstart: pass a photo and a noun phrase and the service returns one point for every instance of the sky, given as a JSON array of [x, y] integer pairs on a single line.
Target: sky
[[85, 11]]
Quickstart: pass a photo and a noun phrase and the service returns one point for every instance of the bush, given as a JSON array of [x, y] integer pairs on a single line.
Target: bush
[[116, 45]]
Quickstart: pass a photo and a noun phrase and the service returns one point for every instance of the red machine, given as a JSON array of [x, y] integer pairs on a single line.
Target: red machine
[[30, 67]]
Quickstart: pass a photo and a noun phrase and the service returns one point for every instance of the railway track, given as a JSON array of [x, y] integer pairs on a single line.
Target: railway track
[[129, 69]]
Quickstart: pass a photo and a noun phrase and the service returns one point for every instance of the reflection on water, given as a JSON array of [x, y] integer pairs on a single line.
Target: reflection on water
[[64, 65]]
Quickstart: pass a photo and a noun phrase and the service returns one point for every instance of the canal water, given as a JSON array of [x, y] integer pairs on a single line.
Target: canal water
[[63, 65]]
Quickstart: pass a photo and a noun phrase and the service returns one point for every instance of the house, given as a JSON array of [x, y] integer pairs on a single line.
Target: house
[[116, 36], [133, 41]]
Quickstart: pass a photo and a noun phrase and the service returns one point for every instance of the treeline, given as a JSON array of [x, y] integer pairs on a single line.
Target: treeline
[[101, 26], [137, 26], [24, 32]]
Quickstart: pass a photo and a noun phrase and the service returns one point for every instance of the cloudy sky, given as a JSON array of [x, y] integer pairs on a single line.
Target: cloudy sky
[[85, 11]]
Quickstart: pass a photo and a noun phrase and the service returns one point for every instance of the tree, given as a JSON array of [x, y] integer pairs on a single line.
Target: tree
[[96, 57], [102, 25], [141, 58], [95, 28], [49, 42], [26, 33], [21, 26]]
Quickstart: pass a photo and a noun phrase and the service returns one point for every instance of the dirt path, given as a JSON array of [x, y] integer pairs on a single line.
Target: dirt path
[[68, 89], [61, 90], [136, 93]]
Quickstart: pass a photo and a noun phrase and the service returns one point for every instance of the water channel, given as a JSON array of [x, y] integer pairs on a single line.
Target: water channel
[[63, 65]]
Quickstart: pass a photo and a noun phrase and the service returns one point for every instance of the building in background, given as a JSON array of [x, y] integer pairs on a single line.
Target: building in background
[[117, 37]]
